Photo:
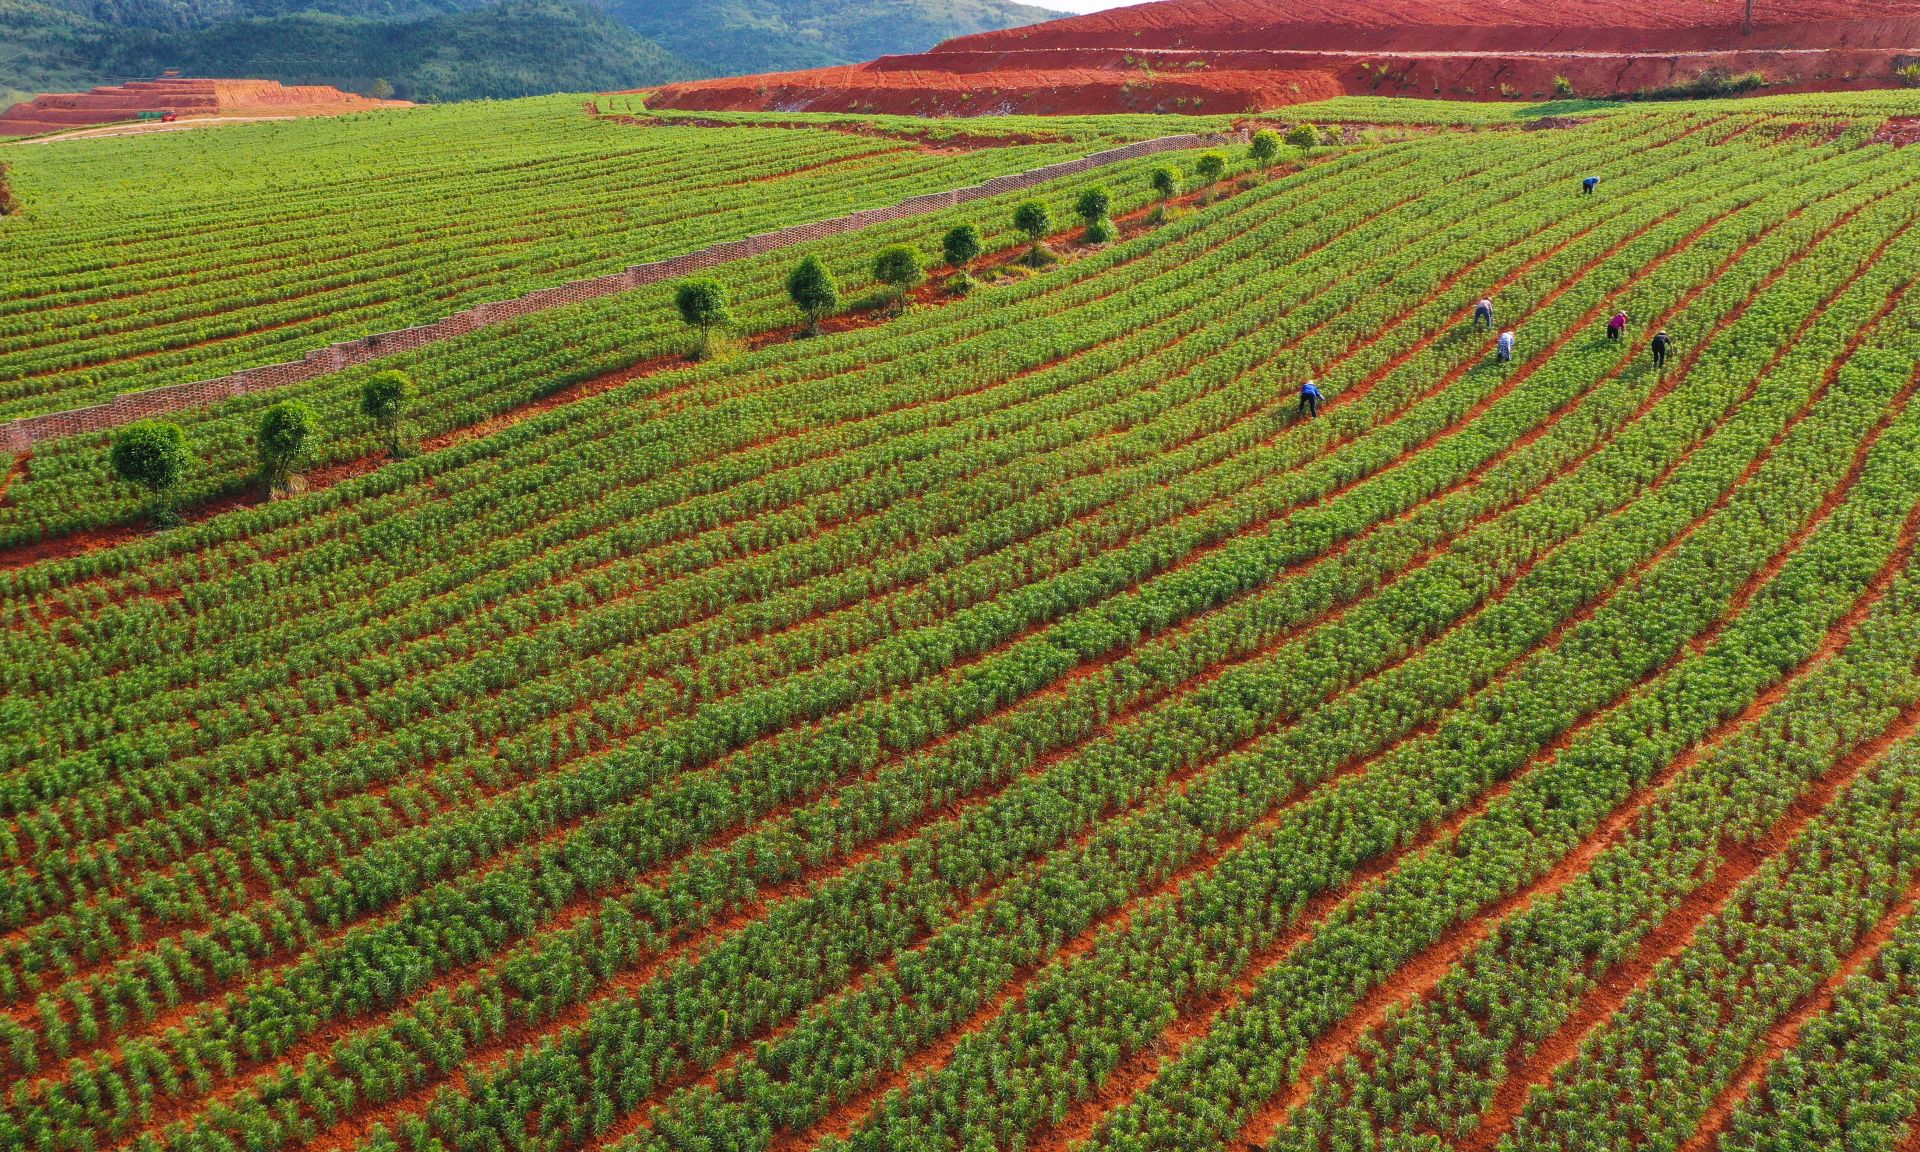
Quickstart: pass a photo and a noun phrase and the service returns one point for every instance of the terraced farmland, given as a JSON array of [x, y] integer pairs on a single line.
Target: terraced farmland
[[1009, 725]]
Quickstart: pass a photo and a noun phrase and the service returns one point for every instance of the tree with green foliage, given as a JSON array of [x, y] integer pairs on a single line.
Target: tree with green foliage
[[1303, 136], [703, 307], [1265, 147], [898, 267], [285, 430], [812, 289], [153, 456], [1092, 207], [1210, 167], [1033, 221], [383, 399], [961, 246], [1166, 181]]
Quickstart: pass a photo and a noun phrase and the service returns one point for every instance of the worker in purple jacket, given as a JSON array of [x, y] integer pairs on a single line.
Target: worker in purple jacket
[[1617, 325]]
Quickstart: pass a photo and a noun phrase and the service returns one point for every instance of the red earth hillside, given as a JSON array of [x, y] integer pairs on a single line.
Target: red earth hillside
[[181, 96], [1250, 55]]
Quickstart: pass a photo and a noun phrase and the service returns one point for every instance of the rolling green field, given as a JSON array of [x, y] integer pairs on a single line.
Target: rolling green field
[[1002, 722]]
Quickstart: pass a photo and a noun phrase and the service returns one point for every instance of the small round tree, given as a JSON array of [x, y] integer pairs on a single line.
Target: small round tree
[[703, 306], [1211, 166], [1303, 136], [960, 247], [898, 267], [154, 456], [285, 430], [1092, 207], [1034, 221], [1166, 181], [383, 399], [1265, 147], [811, 288]]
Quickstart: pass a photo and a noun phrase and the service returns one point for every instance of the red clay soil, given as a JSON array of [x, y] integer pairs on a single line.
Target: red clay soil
[[1233, 56], [182, 97], [1899, 131]]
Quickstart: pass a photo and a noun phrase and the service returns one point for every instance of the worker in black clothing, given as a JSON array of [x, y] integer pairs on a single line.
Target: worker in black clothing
[[1662, 344]]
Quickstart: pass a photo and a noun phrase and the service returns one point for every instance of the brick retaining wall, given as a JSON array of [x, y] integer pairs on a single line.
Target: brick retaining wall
[[22, 434]]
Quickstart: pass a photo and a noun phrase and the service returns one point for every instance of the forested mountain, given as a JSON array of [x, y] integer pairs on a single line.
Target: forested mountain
[[459, 49]]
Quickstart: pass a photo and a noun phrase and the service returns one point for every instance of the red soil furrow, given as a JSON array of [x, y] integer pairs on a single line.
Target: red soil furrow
[[1785, 1035], [1513, 381], [1417, 980], [1738, 862]]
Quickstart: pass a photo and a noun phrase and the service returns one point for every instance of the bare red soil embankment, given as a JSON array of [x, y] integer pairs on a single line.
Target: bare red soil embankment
[[1235, 56], [181, 97]]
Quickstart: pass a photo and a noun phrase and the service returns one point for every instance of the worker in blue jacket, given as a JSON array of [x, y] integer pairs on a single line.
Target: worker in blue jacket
[[1309, 400], [1589, 184]]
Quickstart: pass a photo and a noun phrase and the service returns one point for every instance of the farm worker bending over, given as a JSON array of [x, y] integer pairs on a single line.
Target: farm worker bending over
[[1589, 184], [1483, 314], [1309, 400], [1662, 344], [1617, 325], [1506, 346]]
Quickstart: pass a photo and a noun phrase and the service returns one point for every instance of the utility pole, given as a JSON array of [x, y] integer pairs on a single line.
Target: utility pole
[[1748, 30]]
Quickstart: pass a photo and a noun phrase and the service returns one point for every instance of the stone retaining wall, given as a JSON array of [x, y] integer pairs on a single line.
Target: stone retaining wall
[[22, 434]]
